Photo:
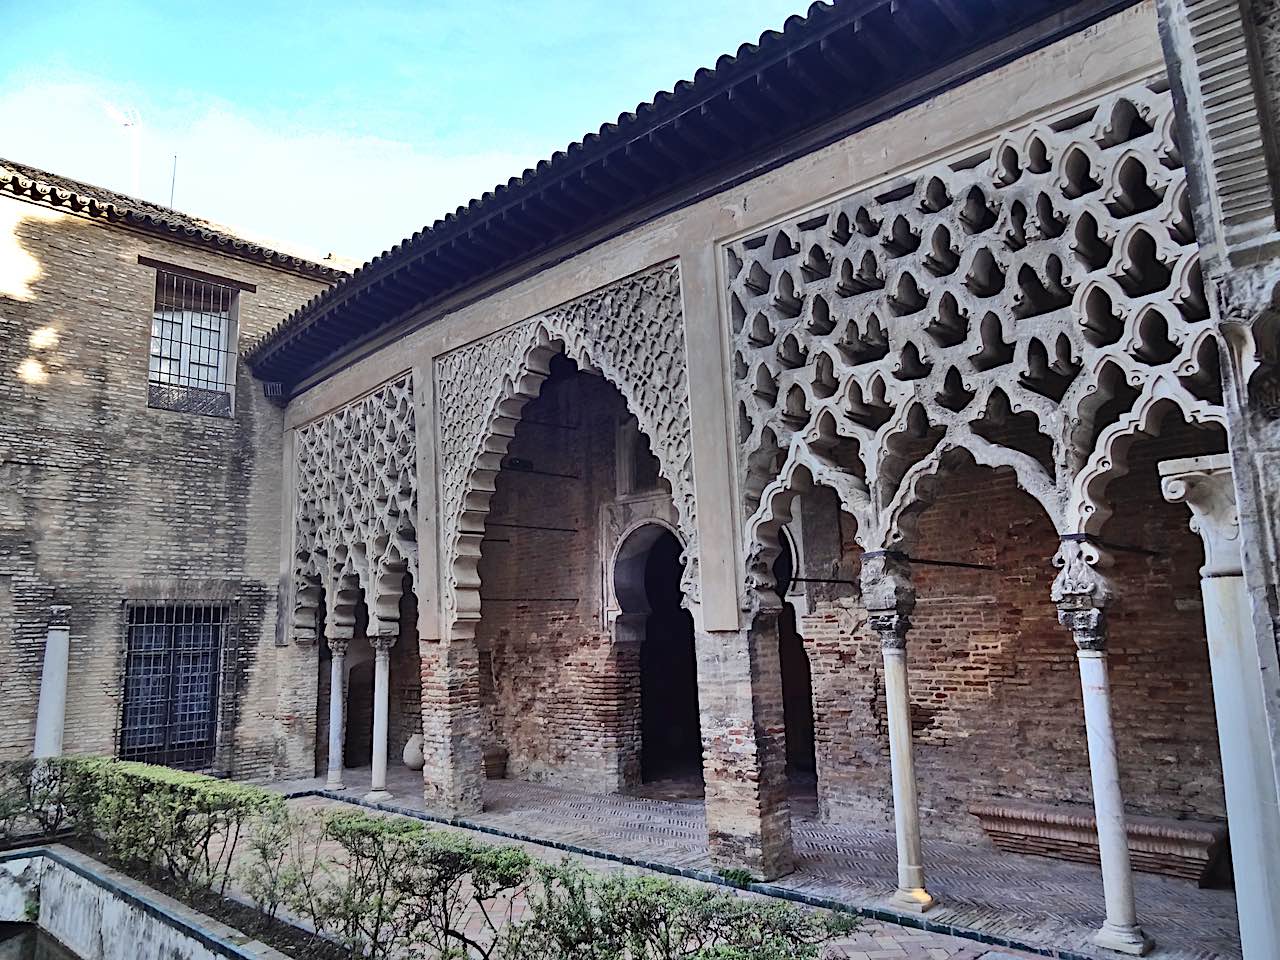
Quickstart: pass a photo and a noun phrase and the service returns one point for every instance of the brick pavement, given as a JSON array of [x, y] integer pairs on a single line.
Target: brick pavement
[[1048, 904]]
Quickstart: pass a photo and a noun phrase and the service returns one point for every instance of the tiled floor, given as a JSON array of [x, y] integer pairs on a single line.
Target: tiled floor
[[1049, 904]]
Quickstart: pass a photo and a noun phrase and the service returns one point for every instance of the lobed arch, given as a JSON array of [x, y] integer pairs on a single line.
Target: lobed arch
[[631, 334], [767, 528], [627, 563], [356, 502], [1024, 311]]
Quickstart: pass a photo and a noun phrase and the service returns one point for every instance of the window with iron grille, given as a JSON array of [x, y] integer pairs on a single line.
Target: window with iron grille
[[173, 679], [193, 344]]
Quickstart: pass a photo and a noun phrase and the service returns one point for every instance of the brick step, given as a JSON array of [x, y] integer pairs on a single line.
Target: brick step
[[1191, 849]]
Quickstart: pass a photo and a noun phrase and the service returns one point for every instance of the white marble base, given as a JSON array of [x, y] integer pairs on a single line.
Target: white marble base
[[917, 900], [1130, 940], [378, 796]]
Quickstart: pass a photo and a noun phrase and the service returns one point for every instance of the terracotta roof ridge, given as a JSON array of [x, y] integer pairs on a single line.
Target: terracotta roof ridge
[[58, 191]]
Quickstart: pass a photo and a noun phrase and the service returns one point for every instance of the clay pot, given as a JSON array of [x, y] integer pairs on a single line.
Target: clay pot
[[413, 753]]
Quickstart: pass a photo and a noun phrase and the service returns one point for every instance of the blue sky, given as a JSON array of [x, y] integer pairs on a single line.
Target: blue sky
[[337, 127]]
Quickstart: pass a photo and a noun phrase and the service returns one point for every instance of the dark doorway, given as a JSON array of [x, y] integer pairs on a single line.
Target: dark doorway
[[797, 682], [357, 744], [671, 739]]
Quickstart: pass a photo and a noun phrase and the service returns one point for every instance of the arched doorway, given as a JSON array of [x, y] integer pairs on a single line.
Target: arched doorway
[[647, 572]]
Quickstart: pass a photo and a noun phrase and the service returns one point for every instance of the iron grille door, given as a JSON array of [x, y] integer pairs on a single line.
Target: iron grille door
[[170, 686]]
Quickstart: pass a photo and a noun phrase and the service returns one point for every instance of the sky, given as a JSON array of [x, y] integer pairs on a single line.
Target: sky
[[337, 127]]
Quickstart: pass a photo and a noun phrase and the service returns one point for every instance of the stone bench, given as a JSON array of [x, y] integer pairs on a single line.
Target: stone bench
[[1192, 849]]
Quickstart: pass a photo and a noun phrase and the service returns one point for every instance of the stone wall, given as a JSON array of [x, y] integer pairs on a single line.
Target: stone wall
[[103, 499], [996, 706]]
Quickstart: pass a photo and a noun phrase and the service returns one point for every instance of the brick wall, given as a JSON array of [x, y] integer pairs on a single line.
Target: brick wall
[[102, 498], [995, 691]]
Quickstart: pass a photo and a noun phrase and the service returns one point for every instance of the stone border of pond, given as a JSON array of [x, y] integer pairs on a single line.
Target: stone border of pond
[[96, 911]]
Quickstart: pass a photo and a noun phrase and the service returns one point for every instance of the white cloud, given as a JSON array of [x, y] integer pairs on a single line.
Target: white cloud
[[312, 191]]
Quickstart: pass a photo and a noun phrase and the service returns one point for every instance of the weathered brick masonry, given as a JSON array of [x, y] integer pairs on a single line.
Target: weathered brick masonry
[[558, 694], [996, 706], [103, 499]]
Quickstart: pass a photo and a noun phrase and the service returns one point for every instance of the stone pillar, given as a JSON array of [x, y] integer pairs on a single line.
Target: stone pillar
[[744, 747], [1082, 593], [51, 714], [889, 597], [453, 755], [1204, 484], [337, 703], [381, 707]]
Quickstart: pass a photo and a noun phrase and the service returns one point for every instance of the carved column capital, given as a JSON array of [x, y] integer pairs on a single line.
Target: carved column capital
[[60, 615], [383, 643], [891, 629], [1205, 485], [338, 645], [888, 595], [1081, 582], [1082, 591]]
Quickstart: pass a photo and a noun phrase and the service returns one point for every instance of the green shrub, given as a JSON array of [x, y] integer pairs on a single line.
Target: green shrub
[[185, 826], [392, 887], [385, 887], [576, 916], [180, 825], [41, 797]]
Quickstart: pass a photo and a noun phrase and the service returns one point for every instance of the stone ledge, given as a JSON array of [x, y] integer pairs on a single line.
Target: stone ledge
[[1190, 849]]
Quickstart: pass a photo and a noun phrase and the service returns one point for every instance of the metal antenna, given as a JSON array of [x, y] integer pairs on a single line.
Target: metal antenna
[[173, 180]]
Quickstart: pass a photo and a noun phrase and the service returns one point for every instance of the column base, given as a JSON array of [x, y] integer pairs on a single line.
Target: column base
[[378, 796], [915, 900], [334, 783], [1130, 940]]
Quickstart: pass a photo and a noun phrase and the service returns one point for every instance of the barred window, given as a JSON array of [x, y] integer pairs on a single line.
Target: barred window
[[193, 344], [173, 663]]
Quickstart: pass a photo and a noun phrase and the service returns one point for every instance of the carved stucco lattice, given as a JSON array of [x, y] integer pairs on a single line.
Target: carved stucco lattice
[[632, 334], [356, 509], [1037, 306]]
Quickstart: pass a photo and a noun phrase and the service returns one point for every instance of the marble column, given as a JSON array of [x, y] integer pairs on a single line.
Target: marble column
[[337, 707], [51, 713], [381, 707], [1082, 592], [889, 597], [1205, 485]]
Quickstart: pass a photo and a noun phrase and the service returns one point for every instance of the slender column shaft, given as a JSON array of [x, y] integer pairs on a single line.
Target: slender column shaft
[[1082, 593], [337, 713], [51, 713], [381, 707], [1108, 801], [906, 803], [889, 597]]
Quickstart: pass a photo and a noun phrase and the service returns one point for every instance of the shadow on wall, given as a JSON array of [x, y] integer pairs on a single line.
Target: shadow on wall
[[671, 739]]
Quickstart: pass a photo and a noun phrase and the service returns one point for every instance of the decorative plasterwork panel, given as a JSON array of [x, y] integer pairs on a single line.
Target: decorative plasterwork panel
[[1037, 306], [356, 508], [632, 334]]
